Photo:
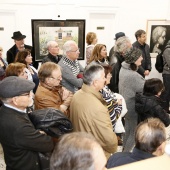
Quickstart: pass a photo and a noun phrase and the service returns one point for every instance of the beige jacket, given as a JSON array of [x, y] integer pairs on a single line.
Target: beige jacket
[[88, 112]]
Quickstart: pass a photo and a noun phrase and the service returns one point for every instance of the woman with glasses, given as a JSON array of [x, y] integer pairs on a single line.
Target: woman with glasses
[[148, 104]]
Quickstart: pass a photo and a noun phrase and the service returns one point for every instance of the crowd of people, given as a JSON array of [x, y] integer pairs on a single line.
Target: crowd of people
[[106, 104]]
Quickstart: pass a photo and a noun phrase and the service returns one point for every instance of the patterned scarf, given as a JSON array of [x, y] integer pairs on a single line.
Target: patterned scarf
[[74, 65]]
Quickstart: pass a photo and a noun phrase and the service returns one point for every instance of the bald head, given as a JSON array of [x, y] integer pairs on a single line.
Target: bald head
[[150, 134]]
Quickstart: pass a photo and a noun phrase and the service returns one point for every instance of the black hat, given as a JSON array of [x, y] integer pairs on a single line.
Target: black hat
[[132, 55], [14, 86], [18, 36], [119, 34]]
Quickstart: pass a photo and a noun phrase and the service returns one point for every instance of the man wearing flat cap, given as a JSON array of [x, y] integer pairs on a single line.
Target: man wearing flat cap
[[20, 140], [19, 46]]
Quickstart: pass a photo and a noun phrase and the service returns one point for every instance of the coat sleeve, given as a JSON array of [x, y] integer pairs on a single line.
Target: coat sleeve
[[27, 137], [103, 131], [166, 55], [9, 57], [148, 58], [67, 101], [68, 75], [162, 115]]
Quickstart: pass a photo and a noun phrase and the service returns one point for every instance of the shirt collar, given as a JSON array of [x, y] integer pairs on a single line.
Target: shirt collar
[[12, 107]]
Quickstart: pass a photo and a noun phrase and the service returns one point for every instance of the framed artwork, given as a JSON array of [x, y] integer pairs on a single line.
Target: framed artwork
[[59, 31], [158, 34]]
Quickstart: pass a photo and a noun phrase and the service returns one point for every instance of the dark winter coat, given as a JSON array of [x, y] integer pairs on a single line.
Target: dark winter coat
[[51, 58], [11, 53], [150, 106], [20, 140], [113, 86]]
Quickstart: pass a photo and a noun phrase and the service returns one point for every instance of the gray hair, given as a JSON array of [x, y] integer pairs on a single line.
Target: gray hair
[[74, 151], [122, 44], [50, 43], [6, 100], [68, 46], [92, 72], [150, 134], [157, 32]]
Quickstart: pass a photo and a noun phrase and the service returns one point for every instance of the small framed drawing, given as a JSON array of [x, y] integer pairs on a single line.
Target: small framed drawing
[[158, 34], [59, 31]]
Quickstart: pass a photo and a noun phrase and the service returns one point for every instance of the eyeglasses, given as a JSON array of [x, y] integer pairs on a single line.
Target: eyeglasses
[[78, 50], [58, 79]]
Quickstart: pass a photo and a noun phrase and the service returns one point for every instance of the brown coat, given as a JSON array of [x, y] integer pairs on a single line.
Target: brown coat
[[88, 112], [46, 97]]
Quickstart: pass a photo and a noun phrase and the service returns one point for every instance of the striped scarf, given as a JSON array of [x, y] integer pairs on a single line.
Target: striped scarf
[[74, 65]]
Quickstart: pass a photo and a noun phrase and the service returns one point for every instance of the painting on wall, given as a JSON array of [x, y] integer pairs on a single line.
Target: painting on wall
[[158, 34], [60, 31]]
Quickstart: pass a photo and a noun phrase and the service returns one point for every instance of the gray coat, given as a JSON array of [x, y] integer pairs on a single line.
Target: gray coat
[[69, 80], [166, 59], [130, 82]]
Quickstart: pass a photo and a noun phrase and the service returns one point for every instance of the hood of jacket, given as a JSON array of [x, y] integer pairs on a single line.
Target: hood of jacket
[[144, 103]]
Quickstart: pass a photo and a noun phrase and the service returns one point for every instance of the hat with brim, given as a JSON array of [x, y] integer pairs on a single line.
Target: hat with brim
[[119, 34], [15, 86], [18, 36]]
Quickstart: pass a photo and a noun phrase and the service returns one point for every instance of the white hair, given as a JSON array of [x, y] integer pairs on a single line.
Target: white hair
[[68, 46]]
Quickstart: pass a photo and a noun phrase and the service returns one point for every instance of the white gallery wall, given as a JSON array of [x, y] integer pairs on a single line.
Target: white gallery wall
[[113, 15]]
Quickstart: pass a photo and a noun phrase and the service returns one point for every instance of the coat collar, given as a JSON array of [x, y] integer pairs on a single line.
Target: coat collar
[[89, 89]]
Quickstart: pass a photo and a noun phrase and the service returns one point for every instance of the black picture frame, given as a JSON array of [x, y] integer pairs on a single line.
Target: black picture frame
[[58, 30], [155, 32]]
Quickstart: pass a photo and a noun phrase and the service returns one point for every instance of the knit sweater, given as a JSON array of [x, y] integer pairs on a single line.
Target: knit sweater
[[69, 75]]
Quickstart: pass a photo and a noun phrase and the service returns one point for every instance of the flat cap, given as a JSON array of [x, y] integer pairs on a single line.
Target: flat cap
[[14, 86]]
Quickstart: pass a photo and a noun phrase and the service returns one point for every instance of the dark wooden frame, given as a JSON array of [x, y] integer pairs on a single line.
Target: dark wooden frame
[[57, 24]]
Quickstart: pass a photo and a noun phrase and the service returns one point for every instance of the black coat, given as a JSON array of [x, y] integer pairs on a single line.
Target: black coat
[[11, 54], [150, 106], [146, 62], [51, 58], [21, 142], [114, 82], [122, 158]]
